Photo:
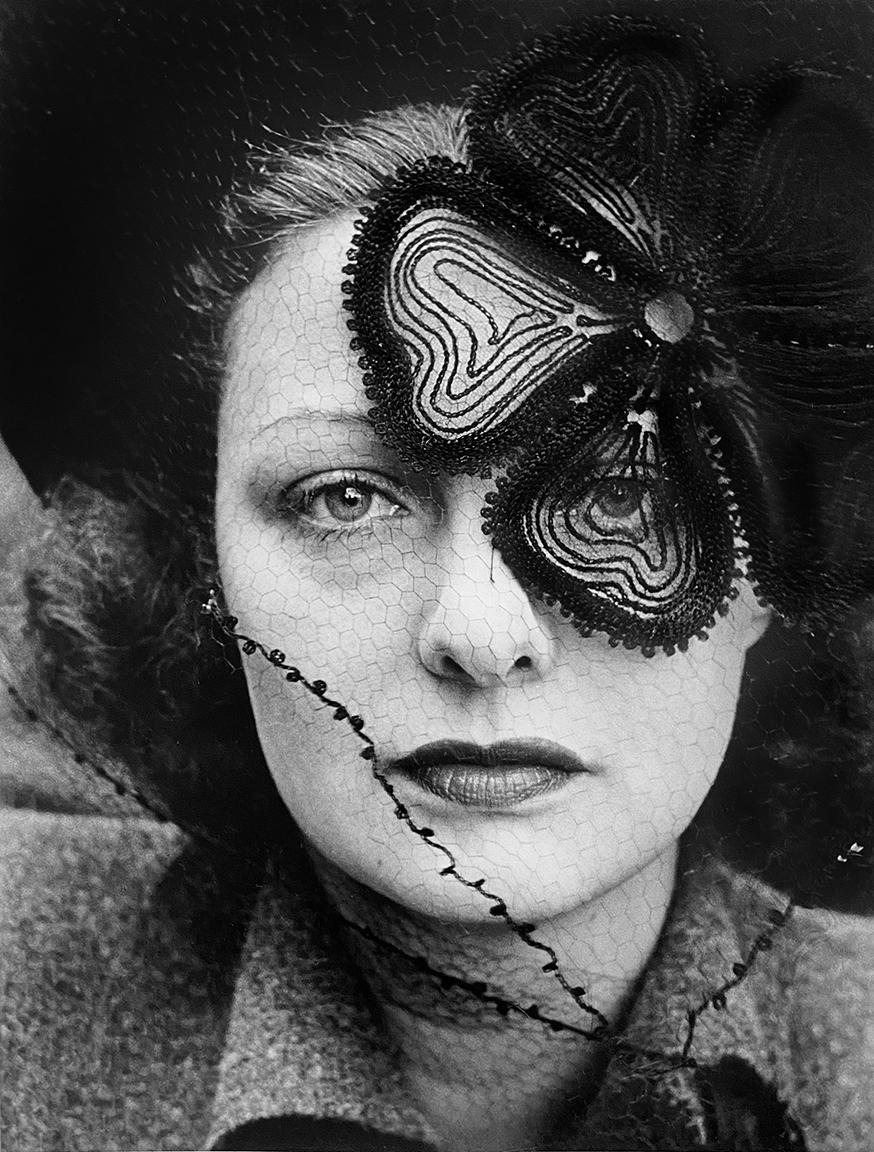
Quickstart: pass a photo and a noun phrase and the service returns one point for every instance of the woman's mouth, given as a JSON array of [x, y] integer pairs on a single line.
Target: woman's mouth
[[490, 776]]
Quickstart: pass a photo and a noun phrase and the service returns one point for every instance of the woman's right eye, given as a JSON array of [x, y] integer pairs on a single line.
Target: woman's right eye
[[337, 502]]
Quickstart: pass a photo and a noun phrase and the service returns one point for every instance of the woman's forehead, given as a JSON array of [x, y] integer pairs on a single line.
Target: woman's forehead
[[289, 343], [288, 340]]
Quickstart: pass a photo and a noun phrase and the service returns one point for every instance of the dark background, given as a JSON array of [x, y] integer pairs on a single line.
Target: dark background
[[122, 123]]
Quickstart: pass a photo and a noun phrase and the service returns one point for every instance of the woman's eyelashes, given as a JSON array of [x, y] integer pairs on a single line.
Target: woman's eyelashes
[[618, 502], [618, 498], [342, 502], [355, 503]]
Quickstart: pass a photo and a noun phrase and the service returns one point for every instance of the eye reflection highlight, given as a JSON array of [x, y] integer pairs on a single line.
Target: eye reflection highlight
[[342, 501]]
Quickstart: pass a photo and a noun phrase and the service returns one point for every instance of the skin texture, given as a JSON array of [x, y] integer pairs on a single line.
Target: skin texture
[[418, 626], [380, 582]]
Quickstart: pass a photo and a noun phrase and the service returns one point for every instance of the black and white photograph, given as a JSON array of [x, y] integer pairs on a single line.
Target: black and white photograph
[[437, 575]]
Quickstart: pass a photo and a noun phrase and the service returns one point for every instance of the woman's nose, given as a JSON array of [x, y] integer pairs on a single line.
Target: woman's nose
[[480, 628]]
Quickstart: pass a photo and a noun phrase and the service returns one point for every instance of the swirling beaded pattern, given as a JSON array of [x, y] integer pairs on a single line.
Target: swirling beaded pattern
[[615, 536], [630, 225], [484, 330], [612, 522], [616, 530]]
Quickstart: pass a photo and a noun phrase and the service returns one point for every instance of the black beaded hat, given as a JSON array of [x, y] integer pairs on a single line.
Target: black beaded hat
[[644, 307]]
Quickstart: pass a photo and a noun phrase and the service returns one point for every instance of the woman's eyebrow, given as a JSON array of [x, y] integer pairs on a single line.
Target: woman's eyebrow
[[310, 434], [336, 417]]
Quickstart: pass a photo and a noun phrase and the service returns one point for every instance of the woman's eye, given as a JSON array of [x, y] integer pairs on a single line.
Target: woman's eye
[[341, 501], [347, 502], [619, 498]]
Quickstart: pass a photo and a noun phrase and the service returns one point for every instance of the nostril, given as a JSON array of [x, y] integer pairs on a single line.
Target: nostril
[[523, 663], [453, 670]]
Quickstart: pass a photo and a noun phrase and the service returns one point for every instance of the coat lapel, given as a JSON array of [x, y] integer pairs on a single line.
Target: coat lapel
[[302, 1039], [723, 1097]]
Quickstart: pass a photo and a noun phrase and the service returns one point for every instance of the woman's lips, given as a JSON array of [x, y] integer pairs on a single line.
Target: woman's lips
[[490, 776]]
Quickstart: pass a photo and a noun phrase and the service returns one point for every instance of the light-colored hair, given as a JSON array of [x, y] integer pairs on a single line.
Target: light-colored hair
[[299, 185], [294, 185]]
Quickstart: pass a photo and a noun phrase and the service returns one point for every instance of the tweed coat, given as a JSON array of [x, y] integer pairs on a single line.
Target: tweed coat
[[157, 995]]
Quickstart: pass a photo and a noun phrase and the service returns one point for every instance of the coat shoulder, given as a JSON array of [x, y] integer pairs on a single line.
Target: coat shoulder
[[46, 858], [119, 942], [815, 988], [809, 988]]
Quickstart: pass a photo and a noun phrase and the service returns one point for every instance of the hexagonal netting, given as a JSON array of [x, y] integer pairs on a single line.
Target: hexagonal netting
[[447, 618]]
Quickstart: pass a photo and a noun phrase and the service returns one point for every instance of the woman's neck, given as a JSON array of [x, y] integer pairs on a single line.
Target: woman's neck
[[484, 1071]]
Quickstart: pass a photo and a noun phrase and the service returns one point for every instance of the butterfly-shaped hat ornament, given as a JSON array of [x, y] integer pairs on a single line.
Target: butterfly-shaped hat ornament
[[643, 306]]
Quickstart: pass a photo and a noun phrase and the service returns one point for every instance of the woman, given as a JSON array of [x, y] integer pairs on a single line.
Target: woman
[[509, 401]]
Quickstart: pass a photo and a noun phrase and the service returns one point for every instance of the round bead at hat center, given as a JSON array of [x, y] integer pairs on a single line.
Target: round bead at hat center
[[669, 316]]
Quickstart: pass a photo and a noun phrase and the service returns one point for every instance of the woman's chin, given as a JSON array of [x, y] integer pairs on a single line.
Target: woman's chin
[[486, 886]]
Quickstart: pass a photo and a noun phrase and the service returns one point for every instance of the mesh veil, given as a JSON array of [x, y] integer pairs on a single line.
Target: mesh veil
[[458, 516]]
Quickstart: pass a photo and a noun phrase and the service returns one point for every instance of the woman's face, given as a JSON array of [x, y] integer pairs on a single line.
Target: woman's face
[[380, 582]]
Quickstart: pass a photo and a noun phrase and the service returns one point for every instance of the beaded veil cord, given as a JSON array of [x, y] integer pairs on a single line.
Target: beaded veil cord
[[501, 570]]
